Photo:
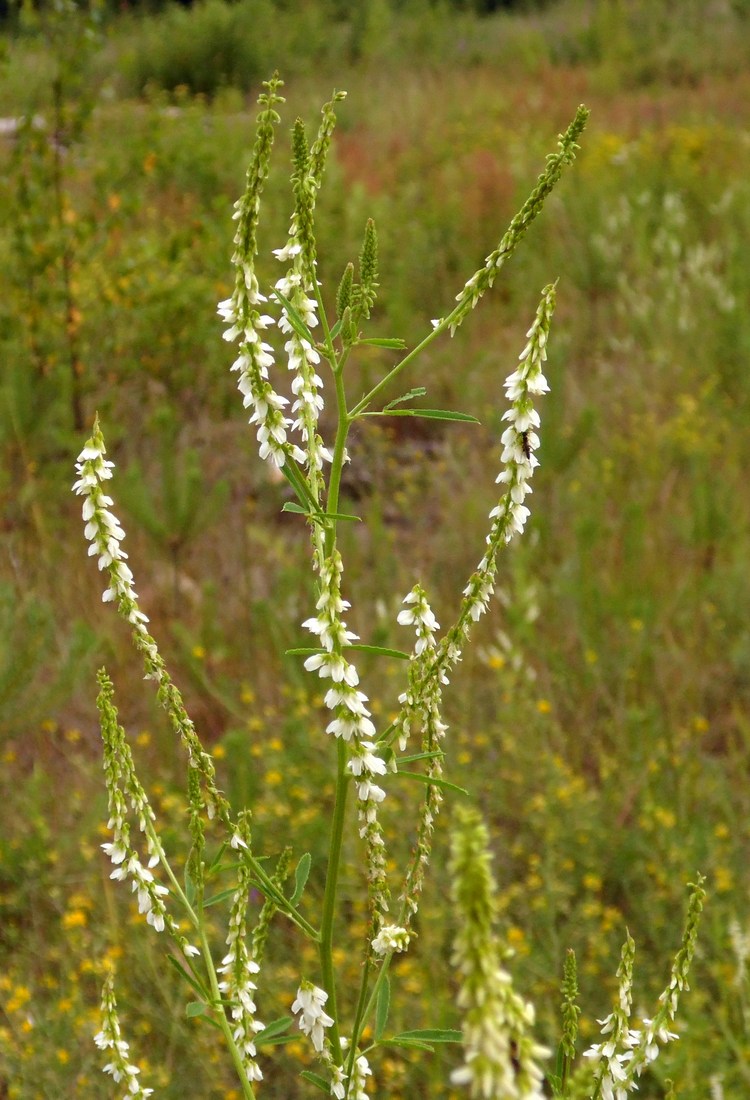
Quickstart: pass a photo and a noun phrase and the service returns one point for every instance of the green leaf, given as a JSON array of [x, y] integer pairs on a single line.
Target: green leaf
[[218, 857], [412, 1044], [377, 342], [192, 982], [281, 1040], [418, 391], [300, 877], [294, 476], [191, 890], [273, 1031], [433, 782], [196, 1008], [382, 1007], [430, 1035], [336, 329], [295, 320], [429, 414], [307, 651], [316, 513], [221, 896], [379, 650], [438, 753], [314, 1079]]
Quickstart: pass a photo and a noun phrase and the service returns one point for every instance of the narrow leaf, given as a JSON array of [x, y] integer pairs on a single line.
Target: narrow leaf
[[300, 877], [433, 782], [431, 1035], [273, 1030], [382, 1007], [412, 1044], [307, 651], [191, 891], [301, 489], [218, 857], [317, 514], [418, 391], [295, 320], [379, 650], [222, 896], [378, 342], [428, 414], [342, 515], [314, 1079], [422, 756]]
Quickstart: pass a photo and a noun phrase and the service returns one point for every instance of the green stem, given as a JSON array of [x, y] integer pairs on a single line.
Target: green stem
[[151, 831], [271, 890], [339, 450], [329, 899], [330, 349], [405, 362], [359, 1016], [221, 1018]]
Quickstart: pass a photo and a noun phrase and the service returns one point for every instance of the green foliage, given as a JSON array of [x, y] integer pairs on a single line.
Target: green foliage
[[606, 714]]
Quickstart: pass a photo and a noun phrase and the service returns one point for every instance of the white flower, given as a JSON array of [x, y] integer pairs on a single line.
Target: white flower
[[312, 1018], [391, 937]]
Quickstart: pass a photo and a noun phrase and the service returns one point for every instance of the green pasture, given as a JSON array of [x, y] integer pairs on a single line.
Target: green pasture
[[601, 719]]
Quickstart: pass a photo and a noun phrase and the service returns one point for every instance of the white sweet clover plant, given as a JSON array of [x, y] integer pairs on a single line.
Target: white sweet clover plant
[[501, 1059]]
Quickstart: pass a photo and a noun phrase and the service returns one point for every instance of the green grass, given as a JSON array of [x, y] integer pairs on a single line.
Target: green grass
[[603, 714]]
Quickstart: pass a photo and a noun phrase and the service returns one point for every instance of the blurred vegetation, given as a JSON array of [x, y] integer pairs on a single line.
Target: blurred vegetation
[[604, 712]]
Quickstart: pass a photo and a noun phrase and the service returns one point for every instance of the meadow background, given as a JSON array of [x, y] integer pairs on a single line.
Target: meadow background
[[602, 716]]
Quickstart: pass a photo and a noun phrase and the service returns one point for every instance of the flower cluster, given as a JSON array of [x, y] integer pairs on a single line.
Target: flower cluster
[[419, 612], [500, 1056], [238, 968], [519, 439], [105, 533], [360, 1073], [421, 705], [391, 938], [352, 720], [313, 1019], [121, 781], [110, 1039], [103, 530], [611, 1056], [241, 313], [626, 1052], [256, 356], [297, 286]]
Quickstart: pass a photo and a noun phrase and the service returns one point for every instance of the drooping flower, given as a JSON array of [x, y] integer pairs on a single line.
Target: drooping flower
[[313, 1019], [103, 529]]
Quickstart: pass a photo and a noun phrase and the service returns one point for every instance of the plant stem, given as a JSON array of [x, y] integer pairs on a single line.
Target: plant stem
[[405, 362], [247, 1088], [359, 1016], [339, 451]]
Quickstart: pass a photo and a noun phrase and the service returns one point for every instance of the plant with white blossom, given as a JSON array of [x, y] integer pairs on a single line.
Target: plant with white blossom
[[501, 1058]]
